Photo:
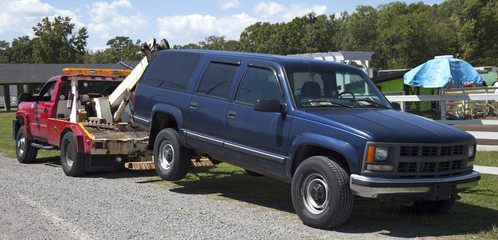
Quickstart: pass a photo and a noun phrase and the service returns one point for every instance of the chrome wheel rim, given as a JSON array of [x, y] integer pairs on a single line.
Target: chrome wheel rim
[[69, 155], [316, 193], [21, 145], [166, 154]]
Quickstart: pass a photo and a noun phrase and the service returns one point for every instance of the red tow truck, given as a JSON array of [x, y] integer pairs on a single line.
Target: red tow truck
[[85, 113]]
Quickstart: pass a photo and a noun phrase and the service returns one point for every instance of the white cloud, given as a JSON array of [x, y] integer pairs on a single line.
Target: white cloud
[[275, 12], [227, 4], [21, 15], [184, 29], [108, 20], [195, 27]]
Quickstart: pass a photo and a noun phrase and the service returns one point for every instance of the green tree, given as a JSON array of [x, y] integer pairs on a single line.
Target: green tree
[[360, 30], [408, 35], [4, 45], [21, 50], [260, 37], [119, 49], [477, 33], [55, 44]]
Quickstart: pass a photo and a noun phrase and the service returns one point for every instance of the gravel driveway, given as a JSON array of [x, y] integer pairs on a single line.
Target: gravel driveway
[[39, 202]]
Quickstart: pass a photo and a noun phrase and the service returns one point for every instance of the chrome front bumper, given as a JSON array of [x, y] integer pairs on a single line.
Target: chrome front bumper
[[427, 188]]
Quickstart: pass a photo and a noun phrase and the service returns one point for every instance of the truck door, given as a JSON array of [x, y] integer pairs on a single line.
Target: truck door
[[43, 109], [208, 107], [258, 139]]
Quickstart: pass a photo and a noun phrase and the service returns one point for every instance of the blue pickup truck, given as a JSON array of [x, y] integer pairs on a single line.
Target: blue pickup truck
[[320, 125]]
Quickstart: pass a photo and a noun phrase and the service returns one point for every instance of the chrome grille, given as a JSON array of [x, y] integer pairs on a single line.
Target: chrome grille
[[431, 161], [432, 150]]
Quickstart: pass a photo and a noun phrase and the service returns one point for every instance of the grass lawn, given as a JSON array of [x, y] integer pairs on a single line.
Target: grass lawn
[[475, 216]]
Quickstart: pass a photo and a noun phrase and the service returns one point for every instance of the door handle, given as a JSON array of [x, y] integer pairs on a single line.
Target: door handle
[[232, 114], [193, 105]]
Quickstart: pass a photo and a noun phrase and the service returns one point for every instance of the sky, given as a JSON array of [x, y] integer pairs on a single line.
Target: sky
[[180, 22]]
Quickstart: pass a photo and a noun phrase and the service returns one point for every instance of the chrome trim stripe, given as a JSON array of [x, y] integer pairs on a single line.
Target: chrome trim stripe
[[254, 152], [203, 138], [146, 120], [234, 147]]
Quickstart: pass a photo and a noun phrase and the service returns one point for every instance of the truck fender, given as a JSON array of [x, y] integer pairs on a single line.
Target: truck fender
[[341, 147], [78, 133], [169, 110], [21, 120]]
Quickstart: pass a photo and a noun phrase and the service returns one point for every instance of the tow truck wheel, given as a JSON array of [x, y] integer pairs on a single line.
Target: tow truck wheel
[[24, 151], [171, 158], [73, 163], [320, 193]]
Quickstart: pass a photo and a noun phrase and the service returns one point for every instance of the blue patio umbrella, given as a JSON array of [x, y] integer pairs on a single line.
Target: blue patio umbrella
[[443, 72]]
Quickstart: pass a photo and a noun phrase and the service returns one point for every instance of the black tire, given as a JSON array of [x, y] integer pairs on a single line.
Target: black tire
[[171, 158], [24, 151], [432, 207], [73, 163], [320, 193]]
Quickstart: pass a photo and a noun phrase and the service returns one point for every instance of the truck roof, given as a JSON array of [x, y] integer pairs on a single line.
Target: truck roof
[[282, 59]]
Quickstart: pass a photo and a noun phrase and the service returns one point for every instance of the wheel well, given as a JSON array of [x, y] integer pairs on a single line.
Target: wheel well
[[66, 130], [307, 151], [19, 123], [161, 121]]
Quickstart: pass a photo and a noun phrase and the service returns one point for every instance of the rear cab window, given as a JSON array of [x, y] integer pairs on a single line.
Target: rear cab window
[[171, 70]]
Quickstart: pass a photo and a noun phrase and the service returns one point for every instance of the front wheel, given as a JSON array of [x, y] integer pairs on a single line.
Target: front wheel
[[320, 193], [171, 158], [73, 163], [25, 153]]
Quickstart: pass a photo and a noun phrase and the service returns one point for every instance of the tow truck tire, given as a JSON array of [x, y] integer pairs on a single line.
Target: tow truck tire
[[73, 163], [432, 207], [320, 193], [171, 158], [24, 151]]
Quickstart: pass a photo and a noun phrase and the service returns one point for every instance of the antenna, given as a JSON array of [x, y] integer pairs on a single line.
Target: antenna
[[311, 20]]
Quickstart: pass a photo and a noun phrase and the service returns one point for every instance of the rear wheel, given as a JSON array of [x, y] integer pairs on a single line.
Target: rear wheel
[[24, 151], [171, 158], [320, 193], [73, 163]]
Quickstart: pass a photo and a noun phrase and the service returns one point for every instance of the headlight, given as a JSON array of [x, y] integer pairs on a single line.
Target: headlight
[[377, 154], [381, 153], [472, 149]]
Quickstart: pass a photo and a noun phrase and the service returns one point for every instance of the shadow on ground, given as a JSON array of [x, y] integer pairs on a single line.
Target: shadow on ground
[[367, 217]]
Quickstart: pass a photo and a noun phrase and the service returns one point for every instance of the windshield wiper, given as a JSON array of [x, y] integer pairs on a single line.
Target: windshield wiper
[[372, 102], [324, 103]]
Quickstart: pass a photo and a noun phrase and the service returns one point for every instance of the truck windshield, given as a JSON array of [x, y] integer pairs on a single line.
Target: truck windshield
[[325, 87]]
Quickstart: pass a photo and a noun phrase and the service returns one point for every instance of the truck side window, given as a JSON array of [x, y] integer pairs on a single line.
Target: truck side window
[[259, 83], [46, 91], [217, 79]]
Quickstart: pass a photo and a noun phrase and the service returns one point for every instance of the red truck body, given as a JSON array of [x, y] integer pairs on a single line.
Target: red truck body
[[43, 121]]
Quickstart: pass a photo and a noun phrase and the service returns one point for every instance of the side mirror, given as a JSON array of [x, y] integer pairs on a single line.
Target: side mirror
[[27, 97], [270, 105], [396, 106]]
